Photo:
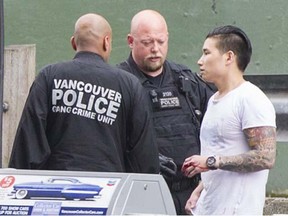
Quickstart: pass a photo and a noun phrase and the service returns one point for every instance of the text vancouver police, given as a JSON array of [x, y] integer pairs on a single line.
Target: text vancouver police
[[86, 100]]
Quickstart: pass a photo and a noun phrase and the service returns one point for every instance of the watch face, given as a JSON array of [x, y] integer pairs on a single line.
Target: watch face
[[211, 162]]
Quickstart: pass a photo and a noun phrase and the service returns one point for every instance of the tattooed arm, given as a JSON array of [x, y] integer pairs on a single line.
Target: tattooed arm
[[262, 141]]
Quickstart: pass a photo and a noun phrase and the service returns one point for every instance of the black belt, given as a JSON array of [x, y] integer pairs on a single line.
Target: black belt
[[183, 184]]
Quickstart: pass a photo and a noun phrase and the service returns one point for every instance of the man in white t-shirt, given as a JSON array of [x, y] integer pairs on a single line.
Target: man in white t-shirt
[[238, 132]]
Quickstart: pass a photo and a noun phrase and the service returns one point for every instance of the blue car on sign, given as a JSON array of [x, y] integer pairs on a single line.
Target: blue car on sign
[[63, 188]]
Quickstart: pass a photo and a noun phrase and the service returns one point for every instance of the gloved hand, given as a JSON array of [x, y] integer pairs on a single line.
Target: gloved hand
[[168, 168]]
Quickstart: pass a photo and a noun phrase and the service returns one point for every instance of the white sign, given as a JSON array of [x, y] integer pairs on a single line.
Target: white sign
[[55, 195]]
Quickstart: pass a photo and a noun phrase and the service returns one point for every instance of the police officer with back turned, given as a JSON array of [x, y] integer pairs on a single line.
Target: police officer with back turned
[[86, 115]]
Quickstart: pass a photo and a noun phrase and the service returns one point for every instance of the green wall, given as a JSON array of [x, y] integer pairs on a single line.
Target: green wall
[[49, 24]]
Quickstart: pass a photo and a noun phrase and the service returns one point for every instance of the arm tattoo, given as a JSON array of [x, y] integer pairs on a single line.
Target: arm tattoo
[[262, 142]]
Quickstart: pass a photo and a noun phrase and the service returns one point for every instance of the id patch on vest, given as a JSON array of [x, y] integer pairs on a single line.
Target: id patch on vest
[[164, 99], [169, 102]]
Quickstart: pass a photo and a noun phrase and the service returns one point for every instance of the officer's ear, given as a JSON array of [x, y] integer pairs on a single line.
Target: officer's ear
[[73, 43], [130, 40], [105, 43], [106, 47]]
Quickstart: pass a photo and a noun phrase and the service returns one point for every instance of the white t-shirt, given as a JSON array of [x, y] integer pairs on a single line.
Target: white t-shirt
[[227, 192]]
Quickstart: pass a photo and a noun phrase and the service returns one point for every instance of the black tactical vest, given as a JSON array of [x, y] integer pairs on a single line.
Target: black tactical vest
[[177, 109]]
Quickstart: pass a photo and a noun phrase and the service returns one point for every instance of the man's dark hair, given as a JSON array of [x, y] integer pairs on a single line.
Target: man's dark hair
[[234, 39]]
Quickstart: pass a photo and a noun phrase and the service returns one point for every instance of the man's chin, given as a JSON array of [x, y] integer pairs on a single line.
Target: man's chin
[[206, 79], [154, 68]]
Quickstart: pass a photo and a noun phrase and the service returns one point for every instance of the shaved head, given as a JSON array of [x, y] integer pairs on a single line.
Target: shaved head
[[148, 19], [91, 32]]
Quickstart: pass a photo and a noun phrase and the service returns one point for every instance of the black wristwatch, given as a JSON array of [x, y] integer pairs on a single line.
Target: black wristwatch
[[211, 162]]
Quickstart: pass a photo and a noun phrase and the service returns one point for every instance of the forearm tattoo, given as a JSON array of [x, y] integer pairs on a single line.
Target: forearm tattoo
[[262, 141]]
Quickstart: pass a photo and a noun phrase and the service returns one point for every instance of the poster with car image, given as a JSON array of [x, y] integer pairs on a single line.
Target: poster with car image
[[55, 195]]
